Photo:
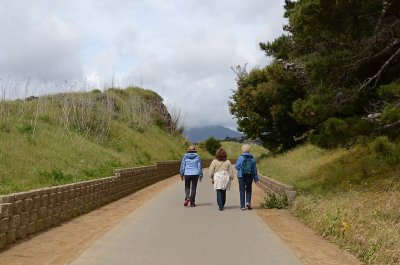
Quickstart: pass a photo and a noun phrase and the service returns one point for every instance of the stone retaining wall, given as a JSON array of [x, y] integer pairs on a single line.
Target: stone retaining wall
[[26, 213], [278, 188]]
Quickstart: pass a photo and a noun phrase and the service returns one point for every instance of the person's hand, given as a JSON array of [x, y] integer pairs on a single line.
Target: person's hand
[[212, 181], [201, 179], [181, 178]]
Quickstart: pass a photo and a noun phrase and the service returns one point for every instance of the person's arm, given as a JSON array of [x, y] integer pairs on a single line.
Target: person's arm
[[255, 171], [239, 163], [230, 171], [211, 170], [200, 168], [182, 169]]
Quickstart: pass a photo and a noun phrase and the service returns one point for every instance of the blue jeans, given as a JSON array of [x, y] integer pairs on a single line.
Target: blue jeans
[[245, 184], [190, 187], [221, 198]]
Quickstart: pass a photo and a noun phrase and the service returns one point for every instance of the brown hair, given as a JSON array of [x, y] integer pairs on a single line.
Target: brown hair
[[221, 155]]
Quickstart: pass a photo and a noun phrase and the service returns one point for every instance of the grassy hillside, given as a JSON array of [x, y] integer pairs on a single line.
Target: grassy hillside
[[79, 136], [348, 196], [234, 149]]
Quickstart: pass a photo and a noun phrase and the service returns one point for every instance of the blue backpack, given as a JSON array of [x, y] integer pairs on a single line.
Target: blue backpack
[[247, 165]]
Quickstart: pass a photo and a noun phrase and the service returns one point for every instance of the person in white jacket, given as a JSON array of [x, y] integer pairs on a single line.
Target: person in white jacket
[[221, 173]]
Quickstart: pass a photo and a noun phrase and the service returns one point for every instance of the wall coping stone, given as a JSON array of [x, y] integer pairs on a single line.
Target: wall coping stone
[[278, 187]]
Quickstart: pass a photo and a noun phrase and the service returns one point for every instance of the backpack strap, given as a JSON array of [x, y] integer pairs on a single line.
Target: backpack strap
[[220, 166]]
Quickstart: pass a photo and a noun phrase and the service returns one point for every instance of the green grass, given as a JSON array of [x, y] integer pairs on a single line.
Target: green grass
[[234, 149], [37, 150], [348, 196]]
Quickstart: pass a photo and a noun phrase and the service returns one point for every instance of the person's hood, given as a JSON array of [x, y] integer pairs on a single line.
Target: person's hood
[[247, 155], [191, 155]]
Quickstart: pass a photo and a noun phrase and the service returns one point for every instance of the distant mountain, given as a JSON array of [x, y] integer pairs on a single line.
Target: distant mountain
[[199, 134]]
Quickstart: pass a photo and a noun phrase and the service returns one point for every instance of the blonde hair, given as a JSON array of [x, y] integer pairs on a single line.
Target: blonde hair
[[246, 148], [192, 148]]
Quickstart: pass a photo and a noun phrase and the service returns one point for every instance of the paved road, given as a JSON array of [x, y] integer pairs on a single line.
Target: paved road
[[164, 232]]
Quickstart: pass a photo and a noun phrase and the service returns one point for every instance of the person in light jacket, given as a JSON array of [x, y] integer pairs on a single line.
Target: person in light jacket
[[247, 172], [191, 171], [221, 173]]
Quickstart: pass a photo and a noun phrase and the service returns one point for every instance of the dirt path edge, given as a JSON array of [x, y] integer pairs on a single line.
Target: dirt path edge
[[310, 248]]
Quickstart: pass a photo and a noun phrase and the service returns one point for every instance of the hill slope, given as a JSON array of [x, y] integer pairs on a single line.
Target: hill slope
[[79, 136], [234, 150], [199, 134], [347, 196]]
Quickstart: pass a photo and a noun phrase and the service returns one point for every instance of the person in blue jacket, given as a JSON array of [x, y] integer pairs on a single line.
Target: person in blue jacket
[[191, 171], [247, 172]]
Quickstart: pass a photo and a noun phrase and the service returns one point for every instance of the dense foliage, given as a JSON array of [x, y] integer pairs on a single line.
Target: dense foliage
[[262, 105], [212, 145], [335, 76]]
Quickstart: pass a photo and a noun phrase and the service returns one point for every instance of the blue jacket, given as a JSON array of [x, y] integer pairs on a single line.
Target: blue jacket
[[239, 162], [191, 165]]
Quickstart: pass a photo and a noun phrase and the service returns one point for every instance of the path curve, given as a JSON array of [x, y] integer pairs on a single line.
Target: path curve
[[165, 232]]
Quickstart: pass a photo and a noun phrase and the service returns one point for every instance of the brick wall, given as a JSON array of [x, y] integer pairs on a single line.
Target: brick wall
[[26, 213]]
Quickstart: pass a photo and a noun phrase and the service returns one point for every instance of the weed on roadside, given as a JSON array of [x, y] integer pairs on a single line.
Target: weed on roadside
[[273, 201], [55, 177]]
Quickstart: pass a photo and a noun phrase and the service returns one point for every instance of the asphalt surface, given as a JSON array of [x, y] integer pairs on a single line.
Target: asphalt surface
[[164, 232]]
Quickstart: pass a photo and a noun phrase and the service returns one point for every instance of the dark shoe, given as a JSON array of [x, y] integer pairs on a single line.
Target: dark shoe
[[248, 206], [192, 204], [186, 202]]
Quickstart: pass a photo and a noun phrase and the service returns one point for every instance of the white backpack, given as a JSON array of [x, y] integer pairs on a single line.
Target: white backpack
[[222, 180]]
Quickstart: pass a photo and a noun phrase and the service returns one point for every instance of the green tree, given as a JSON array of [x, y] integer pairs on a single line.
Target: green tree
[[262, 105], [345, 55], [212, 145]]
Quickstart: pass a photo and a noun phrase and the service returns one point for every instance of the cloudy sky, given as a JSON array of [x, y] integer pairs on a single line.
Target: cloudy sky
[[182, 49]]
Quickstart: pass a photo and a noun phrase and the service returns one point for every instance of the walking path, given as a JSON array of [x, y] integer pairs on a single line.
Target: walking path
[[164, 232]]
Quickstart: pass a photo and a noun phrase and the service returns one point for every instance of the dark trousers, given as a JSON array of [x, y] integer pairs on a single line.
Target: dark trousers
[[221, 198], [245, 189], [190, 187]]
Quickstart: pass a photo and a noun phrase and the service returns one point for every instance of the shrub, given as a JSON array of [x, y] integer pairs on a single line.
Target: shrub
[[96, 91], [26, 128], [387, 150], [212, 145], [391, 113], [161, 123], [272, 201], [332, 133], [56, 177], [45, 118]]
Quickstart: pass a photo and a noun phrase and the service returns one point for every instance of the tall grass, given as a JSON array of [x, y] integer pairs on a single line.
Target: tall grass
[[68, 137], [348, 196], [234, 149]]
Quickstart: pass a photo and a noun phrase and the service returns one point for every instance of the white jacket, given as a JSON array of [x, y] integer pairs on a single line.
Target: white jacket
[[222, 180], [221, 172]]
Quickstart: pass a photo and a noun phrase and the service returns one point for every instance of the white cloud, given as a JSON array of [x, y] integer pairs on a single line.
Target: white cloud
[[40, 45], [181, 49]]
